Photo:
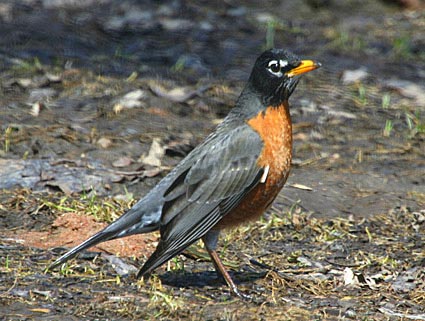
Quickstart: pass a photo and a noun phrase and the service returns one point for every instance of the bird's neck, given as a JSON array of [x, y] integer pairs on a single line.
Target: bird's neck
[[250, 103]]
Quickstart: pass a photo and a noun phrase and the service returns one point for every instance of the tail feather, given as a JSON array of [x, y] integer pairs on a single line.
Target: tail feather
[[159, 257], [135, 221], [99, 237]]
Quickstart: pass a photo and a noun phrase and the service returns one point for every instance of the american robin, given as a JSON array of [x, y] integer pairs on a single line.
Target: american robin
[[230, 178]]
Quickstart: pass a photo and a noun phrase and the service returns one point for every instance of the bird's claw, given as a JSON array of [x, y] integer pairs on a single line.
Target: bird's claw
[[241, 295]]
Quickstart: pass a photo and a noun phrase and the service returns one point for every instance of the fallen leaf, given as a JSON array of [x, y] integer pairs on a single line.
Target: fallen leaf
[[119, 265], [180, 146], [152, 172], [177, 94], [156, 152], [402, 315], [407, 89], [349, 277], [353, 76], [41, 95], [133, 99], [123, 162], [301, 186], [36, 108], [104, 142], [53, 78], [41, 310]]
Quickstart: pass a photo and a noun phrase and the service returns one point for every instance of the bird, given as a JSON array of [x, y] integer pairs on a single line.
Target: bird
[[232, 177]]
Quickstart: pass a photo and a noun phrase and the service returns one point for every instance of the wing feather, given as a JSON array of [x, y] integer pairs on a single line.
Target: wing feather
[[218, 179]]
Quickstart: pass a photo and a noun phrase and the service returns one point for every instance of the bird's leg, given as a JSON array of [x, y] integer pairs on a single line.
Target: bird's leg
[[210, 241]]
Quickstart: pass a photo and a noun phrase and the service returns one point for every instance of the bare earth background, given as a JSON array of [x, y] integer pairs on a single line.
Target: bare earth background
[[99, 99]]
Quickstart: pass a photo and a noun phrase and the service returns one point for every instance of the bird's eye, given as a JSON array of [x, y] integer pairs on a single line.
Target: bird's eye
[[274, 66]]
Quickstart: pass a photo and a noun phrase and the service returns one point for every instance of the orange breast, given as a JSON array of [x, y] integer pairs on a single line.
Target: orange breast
[[275, 128]]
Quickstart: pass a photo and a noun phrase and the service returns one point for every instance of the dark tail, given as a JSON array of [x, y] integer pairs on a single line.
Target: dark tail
[[135, 221], [99, 237]]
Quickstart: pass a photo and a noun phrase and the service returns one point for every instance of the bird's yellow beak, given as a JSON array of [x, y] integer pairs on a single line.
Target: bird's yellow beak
[[304, 66]]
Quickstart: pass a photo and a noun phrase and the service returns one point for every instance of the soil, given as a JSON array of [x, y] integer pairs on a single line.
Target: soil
[[99, 99]]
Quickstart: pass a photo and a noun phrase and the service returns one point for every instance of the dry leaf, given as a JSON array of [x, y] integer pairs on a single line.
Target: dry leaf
[[123, 162], [301, 186], [156, 152], [104, 142]]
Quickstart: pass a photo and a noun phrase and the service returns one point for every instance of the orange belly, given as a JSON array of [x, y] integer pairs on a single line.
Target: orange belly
[[275, 128]]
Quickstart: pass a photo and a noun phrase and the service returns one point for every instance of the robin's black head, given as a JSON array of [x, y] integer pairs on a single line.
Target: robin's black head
[[273, 77]]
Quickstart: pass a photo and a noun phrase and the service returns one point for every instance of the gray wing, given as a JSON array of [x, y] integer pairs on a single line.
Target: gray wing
[[203, 193]]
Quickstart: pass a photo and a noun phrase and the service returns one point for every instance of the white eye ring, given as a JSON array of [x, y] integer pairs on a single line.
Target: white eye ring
[[275, 67]]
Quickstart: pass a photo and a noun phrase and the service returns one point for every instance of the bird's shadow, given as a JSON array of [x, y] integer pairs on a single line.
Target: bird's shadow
[[187, 279]]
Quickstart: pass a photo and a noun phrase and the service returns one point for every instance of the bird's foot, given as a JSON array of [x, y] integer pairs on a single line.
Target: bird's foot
[[241, 295]]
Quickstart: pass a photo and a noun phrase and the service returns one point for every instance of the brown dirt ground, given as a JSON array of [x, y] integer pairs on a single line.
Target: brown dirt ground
[[72, 229]]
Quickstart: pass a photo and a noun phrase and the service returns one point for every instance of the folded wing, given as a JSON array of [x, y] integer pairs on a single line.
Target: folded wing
[[206, 191]]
